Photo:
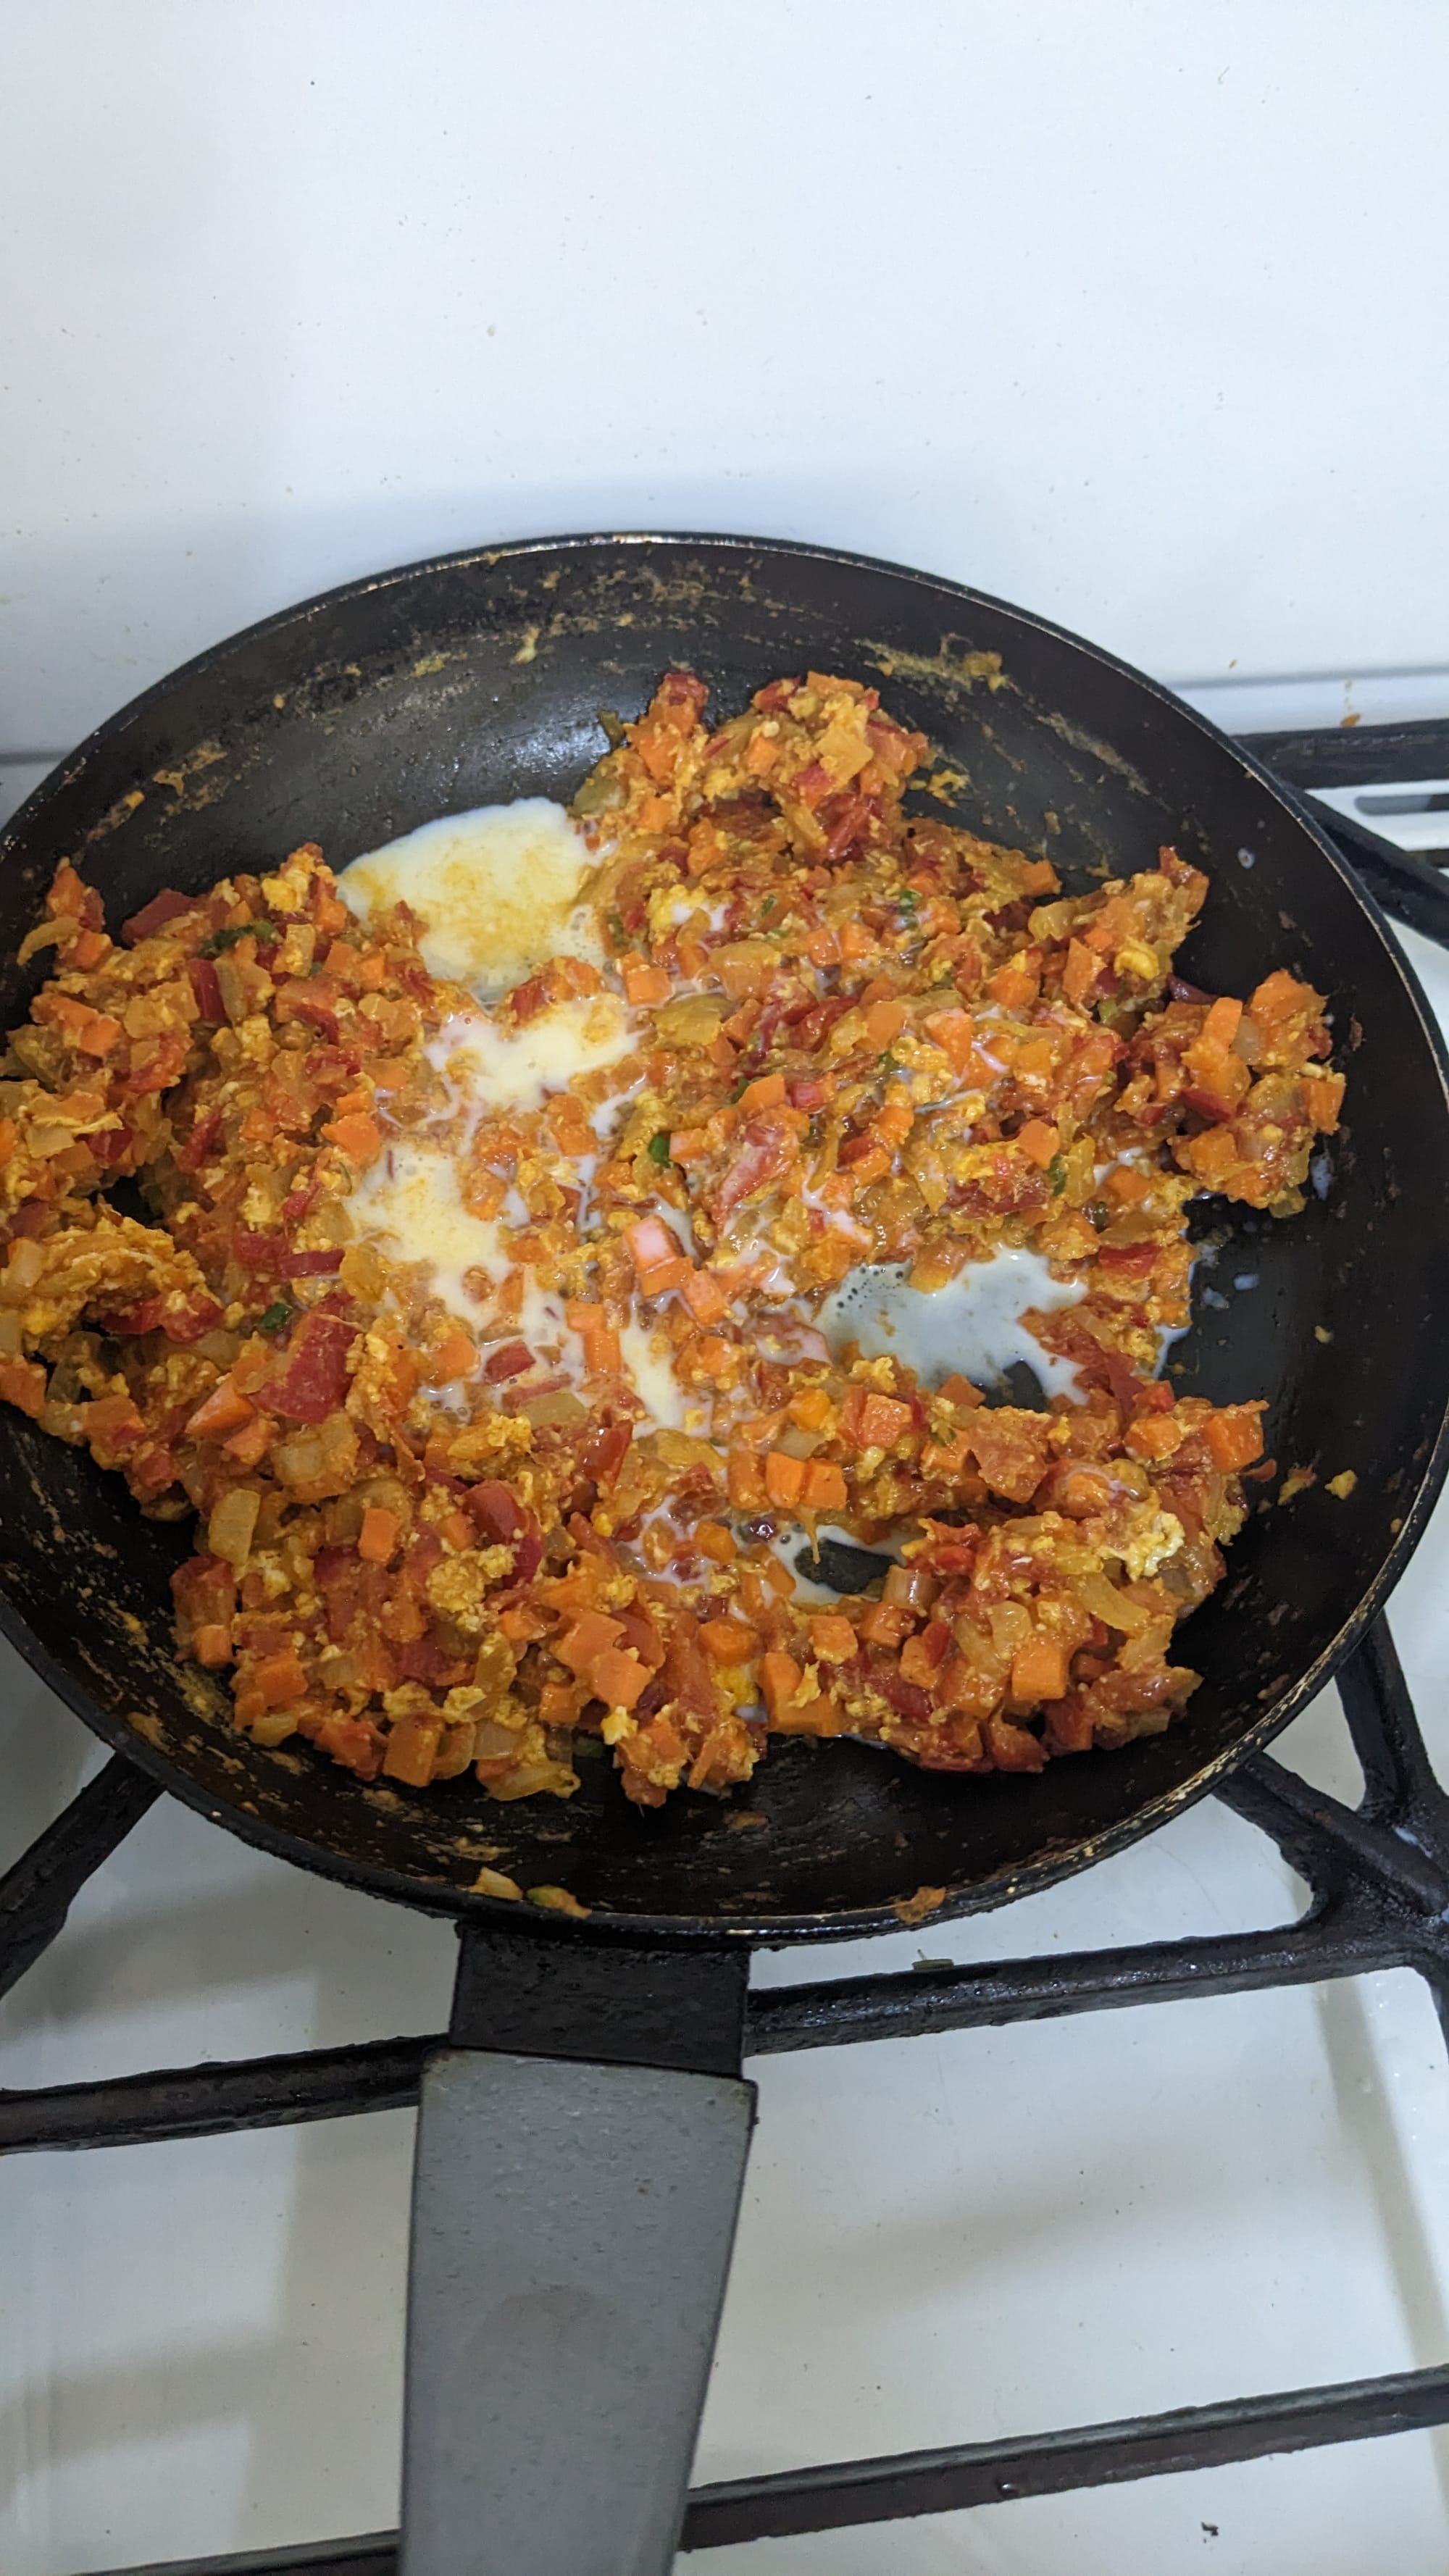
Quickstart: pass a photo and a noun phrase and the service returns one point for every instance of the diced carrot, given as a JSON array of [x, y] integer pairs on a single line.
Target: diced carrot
[[664, 1276], [87, 949], [211, 1643], [761, 753], [73, 1018], [225, 1409], [455, 1357], [885, 1623], [884, 1021], [249, 1445], [959, 1390], [23, 1384], [715, 1358], [746, 1483], [729, 1641], [784, 1477], [816, 1713], [1322, 1095], [1014, 987], [1234, 1436], [823, 947], [101, 1035], [704, 1296], [856, 942], [869, 1167], [617, 1676], [688, 1144], [8, 1133], [833, 1639], [923, 1654], [1039, 1670], [650, 1243], [559, 1703], [1154, 1435], [588, 1637], [646, 984], [1280, 997], [378, 1535], [358, 1137], [1214, 1153], [894, 1123], [1127, 1185], [602, 1354], [1038, 876], [716, 1542], [279, 1678], [489, 1193], [520, 1622], [1040, 1141], [779, 1680], [1080, 973], [947, 1460], [767, 1091], [810, 1410], [824, 1486], [955, 1033], [1221, 1025]]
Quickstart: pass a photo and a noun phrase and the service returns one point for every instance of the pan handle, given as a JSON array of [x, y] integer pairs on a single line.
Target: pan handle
[[572, 2226]]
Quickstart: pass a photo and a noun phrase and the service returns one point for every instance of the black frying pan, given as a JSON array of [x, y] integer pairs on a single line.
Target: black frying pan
[[479, 677]]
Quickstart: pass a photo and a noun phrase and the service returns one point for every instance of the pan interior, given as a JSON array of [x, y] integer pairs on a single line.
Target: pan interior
[[484, 677]]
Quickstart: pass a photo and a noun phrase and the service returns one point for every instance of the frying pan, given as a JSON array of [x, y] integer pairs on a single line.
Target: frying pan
[[573, 2219]]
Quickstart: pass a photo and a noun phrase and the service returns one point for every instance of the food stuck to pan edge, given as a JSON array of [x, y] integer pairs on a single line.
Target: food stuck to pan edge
[[535, 1274]]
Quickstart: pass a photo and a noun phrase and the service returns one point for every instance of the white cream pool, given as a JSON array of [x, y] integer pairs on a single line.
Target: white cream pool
[[500, 888], [973, 1324]]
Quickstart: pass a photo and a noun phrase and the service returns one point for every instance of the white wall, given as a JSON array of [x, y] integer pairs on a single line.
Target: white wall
[[1133, 311]]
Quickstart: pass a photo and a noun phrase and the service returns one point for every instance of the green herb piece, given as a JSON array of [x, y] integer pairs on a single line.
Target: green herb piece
[[767, 906], [659, 1148], [275, 1317], [1099, 1215], [617, 932], [907, 903], [221, 939], [886, 1063], [741, 1088], [1057, 1174]]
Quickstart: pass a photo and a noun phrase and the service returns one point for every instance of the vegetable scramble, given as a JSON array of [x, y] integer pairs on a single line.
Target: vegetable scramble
[[451, 1532]]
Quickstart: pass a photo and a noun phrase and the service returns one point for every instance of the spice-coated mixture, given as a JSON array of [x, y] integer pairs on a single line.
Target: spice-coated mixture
[[490, 1343]]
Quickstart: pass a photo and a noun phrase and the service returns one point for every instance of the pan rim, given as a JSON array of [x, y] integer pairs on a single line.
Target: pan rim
[[1042, 1870]]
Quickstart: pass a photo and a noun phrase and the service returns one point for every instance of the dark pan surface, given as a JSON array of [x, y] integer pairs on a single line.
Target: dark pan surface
[[447, 685]]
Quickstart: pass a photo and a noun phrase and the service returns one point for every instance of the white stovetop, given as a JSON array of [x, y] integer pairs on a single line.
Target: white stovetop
[[942, 2240]]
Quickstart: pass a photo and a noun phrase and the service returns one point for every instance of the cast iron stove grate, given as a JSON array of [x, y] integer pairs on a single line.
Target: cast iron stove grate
[[1378, 1877]]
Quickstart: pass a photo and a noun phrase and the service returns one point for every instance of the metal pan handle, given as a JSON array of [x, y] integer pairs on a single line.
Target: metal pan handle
[[572, 2227]]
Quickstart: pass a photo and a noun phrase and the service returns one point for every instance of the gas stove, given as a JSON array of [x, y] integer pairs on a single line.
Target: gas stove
[[1210, 2240]]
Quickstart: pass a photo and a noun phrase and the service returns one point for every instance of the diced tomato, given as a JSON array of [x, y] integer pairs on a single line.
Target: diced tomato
[[908, 1699], [201, 1139], [496, 1510], [316, 1377], [310, 1265], [206, 987], [511, 1361], [169, 905]]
